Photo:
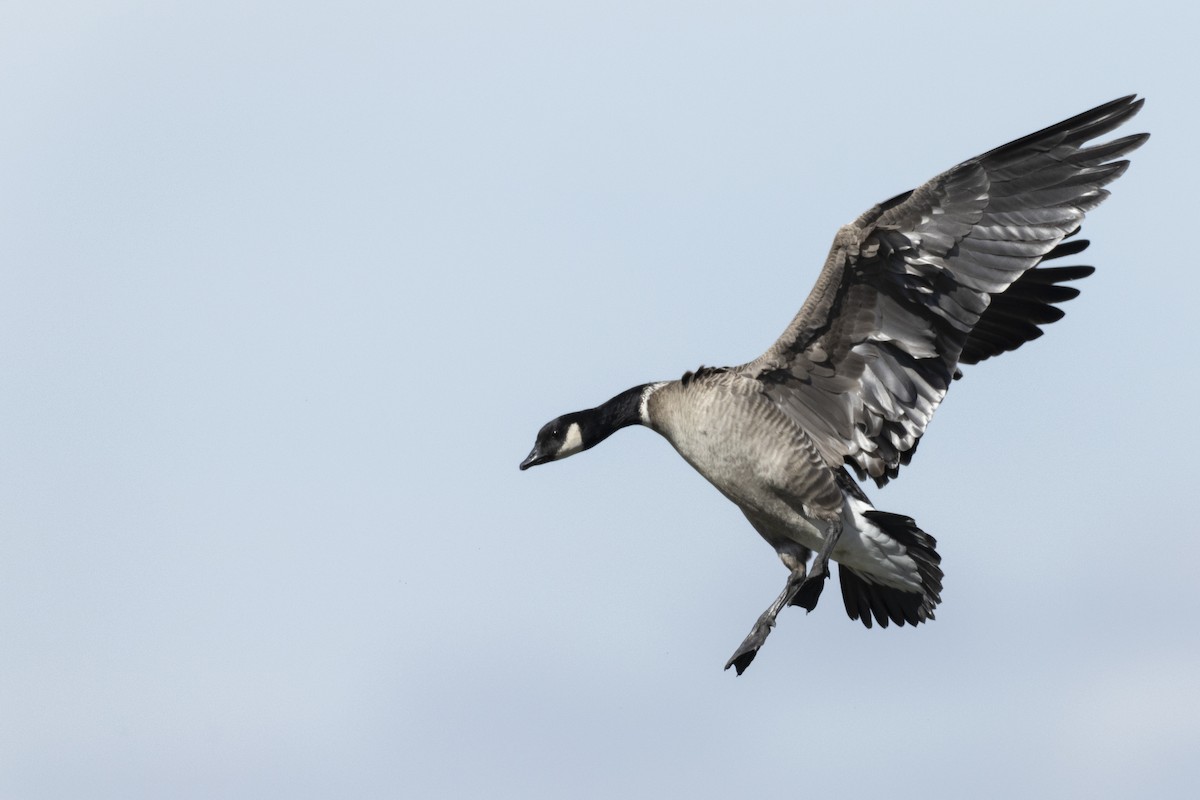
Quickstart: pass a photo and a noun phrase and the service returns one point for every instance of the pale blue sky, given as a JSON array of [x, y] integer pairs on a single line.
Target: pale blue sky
[[286, 290]]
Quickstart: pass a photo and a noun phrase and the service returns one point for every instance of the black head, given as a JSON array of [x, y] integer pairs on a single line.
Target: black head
[[573, 433], [557, 439]]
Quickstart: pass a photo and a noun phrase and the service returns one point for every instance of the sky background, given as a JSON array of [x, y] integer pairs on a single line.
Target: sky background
[[286, 290]]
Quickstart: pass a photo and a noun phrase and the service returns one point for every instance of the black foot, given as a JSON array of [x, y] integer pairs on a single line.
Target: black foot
[[740, 662], [750, 645], [810, 592]]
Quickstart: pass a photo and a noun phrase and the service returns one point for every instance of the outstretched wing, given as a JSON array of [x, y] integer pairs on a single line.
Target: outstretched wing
[[869, 357]]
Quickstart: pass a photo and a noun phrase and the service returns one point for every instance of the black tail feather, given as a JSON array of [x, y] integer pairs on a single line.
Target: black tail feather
[[865, 599]]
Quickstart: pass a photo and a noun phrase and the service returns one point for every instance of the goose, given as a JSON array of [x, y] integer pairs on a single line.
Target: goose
[[945, 275]]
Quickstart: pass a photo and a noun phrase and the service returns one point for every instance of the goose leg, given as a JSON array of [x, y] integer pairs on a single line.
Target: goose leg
[[800, 589], [810, 592], [762, 628]]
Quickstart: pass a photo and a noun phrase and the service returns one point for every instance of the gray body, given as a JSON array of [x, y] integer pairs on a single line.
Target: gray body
[[769, 467], [752, 452]]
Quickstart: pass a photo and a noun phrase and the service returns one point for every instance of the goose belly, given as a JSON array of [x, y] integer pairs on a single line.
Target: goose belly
[[761, 461]]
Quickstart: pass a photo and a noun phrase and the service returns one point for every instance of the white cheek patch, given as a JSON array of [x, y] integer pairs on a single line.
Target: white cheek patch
[[573, 443]]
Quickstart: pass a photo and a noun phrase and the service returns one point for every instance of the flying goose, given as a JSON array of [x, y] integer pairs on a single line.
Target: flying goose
[[950, 273]]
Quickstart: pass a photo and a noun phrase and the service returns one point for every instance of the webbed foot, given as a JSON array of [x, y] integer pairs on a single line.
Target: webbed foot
[[810, 593], [748, 649]]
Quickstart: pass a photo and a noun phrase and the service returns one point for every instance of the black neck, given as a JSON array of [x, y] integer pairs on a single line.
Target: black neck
[[609, 417]]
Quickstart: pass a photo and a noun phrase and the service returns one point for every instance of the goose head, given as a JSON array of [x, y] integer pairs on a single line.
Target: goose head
[[581, 430], [559, 438]]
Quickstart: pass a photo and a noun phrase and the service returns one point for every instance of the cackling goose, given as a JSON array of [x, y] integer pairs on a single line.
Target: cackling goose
[[950, 273]]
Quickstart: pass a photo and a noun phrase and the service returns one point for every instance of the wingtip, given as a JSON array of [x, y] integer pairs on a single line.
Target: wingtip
[[1132, 102]]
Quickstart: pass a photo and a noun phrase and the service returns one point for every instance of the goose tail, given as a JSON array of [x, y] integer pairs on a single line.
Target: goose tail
[[870, 600]]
